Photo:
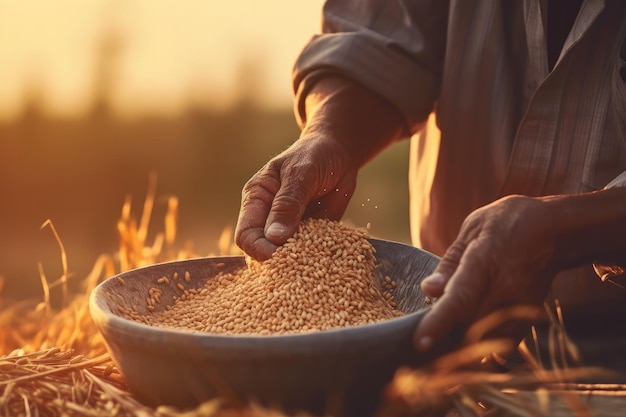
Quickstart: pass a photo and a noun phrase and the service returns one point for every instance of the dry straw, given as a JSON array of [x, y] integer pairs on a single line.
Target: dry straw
[[54, 362]]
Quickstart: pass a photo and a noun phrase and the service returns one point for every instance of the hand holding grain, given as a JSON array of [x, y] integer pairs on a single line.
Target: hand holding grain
[[344, 126], [315, 177], [503, 256]]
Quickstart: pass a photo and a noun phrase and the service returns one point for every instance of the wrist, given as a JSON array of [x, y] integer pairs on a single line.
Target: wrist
[[361, 122], [588, 228]]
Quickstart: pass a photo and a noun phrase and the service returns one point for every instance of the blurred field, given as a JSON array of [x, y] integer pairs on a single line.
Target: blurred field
[[97, 96], [77, 172]]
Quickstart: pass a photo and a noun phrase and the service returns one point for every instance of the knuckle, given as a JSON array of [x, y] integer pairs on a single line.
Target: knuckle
[[286, 203], [460, 304], [263, 182], [451, 259], [455, 251], [240, 239], [244, 238]]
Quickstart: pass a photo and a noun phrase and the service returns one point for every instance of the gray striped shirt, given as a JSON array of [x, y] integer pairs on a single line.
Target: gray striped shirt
[[503, 122]]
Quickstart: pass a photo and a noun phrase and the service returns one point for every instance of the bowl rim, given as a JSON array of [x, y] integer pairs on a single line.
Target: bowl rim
[[104, 317]]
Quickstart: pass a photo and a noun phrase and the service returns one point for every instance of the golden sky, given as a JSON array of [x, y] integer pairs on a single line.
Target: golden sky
[[169, 51]]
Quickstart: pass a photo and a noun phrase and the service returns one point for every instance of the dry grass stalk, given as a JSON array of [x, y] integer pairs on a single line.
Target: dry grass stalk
[[54, 382], [64, 275], [57, 382], [55, 362], [447, 383]]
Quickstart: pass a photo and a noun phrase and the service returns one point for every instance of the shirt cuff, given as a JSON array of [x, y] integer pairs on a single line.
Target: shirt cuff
[[607, 272], [408, 86]]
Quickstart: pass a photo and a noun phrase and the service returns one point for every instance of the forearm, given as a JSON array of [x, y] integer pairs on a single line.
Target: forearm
[[344, 111], [589, 227]]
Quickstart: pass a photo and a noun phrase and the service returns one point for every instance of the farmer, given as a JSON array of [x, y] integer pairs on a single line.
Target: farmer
[[518, 177]]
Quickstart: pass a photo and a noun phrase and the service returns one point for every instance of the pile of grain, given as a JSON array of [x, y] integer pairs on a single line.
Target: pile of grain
[[322, 278]]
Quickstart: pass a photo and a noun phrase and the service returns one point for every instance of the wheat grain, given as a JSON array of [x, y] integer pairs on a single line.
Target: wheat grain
[[322, 278]]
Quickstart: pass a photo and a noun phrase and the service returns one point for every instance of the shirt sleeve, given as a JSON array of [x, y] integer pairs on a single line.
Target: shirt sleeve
[[606, 272], [394, 48]]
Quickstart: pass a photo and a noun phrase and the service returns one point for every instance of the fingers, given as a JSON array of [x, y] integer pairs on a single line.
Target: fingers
[[333, 204], [456, 308], [257, 197], [285, 213], [484, 271], [311, 175], [273, 202], [253, 242], [434, 285]]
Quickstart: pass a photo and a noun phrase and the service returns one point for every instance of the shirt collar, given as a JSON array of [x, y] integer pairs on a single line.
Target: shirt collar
[[535, 23]]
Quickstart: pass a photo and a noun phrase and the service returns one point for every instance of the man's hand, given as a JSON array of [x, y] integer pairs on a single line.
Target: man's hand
[[504, 255], [315, 177], [346, 125]]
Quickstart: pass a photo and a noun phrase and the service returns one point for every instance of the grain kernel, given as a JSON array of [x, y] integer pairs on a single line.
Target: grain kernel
[[323, 278]]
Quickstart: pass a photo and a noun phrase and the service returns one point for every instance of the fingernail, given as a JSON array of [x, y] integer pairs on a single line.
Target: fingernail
[[276, 230], [424, 343]]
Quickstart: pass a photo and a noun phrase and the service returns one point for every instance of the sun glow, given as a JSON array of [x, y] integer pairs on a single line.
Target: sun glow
[[148, 55]]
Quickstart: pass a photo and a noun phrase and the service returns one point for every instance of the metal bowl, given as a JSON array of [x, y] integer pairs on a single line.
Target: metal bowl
[[338, 372]]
